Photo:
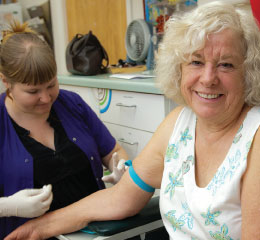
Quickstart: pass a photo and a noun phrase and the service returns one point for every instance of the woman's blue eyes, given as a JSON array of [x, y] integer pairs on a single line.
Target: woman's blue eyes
[[196, 63], [225, 65]]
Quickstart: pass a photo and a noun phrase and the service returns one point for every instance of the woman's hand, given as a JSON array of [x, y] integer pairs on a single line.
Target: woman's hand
[[118, 170], [24, 232], [27, 203]]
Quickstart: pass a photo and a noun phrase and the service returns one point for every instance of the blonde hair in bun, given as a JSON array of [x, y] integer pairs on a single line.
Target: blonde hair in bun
[[25, 57], [14, 28]]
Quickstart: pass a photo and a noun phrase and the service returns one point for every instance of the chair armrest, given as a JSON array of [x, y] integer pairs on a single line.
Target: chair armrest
[[148, 214]]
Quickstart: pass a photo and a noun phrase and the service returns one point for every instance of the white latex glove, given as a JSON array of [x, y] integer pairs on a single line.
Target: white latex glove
[[27, 203], [118, 170]]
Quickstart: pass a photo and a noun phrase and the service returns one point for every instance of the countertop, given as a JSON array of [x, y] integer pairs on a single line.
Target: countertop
[[144, 85]]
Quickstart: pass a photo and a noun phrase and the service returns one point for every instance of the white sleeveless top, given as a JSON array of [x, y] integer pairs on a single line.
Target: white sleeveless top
[[213, 212]]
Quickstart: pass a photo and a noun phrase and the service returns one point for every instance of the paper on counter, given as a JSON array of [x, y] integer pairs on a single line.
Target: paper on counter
[[131, 76]]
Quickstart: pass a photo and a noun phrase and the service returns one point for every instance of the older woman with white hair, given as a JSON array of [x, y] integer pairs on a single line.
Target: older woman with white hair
[[205, 154]]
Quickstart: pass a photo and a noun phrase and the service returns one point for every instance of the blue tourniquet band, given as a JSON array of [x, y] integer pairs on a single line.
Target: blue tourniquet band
[[137, 180]]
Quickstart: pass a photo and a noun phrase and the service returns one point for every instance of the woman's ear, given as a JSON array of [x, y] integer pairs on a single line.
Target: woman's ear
[[3, 79]]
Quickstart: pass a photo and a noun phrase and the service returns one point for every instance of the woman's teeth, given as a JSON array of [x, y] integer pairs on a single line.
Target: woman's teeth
[[208, 96]]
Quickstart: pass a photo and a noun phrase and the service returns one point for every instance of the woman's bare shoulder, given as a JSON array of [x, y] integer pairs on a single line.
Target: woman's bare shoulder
[[150, 162], [165, 129], [172, 116]]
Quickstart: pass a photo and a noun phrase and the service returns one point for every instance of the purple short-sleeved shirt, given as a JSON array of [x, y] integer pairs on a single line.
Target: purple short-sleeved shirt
[[82, 126]]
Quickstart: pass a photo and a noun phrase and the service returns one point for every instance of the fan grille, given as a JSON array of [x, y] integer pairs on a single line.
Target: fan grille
[[137, 40]]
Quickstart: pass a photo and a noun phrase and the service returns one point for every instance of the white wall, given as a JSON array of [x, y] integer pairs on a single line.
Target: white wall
[[134, 10], [60, 33], [200, 2]]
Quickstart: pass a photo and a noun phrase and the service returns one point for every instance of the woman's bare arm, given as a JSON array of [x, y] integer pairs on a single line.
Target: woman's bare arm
[[120, 201], [250, 193]]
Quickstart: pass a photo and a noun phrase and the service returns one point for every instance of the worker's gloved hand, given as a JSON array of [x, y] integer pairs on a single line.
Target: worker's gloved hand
[[27, 203], [118, 170]]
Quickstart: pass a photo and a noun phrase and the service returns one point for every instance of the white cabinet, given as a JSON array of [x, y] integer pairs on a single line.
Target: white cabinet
[[136, 110], [132, 140], [89, 95], [131, 117]]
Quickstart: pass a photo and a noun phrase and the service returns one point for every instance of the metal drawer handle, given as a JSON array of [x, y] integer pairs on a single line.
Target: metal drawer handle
[[124, 141], [123, 105]]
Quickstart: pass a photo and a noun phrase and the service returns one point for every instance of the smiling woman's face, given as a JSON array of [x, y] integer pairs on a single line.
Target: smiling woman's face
[[213, 81], [32, 99]]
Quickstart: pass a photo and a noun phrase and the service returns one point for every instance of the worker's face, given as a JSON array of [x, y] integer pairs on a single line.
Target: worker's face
[[212, 82], [32, 99]]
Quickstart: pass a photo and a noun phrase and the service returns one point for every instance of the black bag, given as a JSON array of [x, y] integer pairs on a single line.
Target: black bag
[[85, 54]]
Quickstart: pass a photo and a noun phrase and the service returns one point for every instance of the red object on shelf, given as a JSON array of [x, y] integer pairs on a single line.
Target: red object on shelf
[[160, 23], [255, 5]]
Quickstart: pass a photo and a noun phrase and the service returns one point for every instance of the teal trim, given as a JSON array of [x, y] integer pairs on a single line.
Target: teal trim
[[145, 85], [86, 230]]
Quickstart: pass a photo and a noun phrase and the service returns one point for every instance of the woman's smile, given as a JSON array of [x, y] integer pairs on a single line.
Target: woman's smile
[[208, 95]]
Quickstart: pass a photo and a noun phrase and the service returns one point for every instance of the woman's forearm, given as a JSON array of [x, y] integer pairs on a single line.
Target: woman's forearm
[[118, 202]]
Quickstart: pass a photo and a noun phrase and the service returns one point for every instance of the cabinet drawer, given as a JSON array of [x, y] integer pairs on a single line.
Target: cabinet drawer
[[132, 140], [137, 110]]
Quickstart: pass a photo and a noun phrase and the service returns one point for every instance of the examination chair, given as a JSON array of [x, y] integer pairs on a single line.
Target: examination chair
[[140, 226]]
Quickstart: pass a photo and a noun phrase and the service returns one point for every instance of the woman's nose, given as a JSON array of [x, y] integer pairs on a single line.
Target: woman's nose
[[209, 76], [45, 97]]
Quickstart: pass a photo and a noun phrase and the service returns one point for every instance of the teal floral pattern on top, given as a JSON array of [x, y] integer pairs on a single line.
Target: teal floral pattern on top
[[186, 164], [176, 223], [225, 173], [211, 217], [186, 217], [185, 136], [172, 152], [238, 135], [221, 235], [175, 181]]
